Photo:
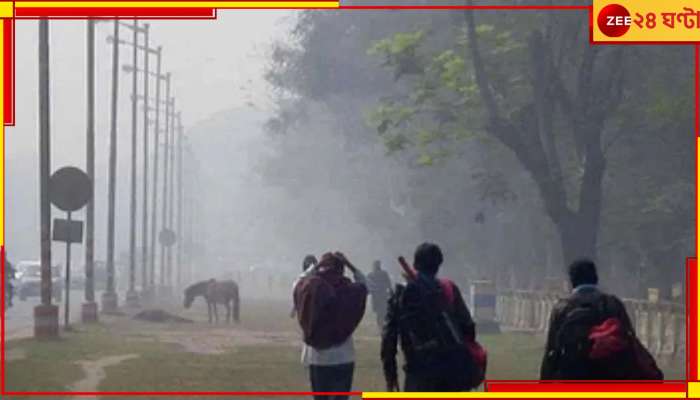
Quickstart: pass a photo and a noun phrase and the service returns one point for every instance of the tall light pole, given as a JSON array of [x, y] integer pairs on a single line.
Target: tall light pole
[[109, 297], [166, 157], [132, 298], [178, 228], [144, 231], [171, 197], [45, 314], [156, 133], [146, 284], [89, 307]]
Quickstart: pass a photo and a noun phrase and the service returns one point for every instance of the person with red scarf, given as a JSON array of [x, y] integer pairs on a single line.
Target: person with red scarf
[[329, 309]]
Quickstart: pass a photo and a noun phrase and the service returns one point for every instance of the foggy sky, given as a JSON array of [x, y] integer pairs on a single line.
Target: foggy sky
[[216, 65]]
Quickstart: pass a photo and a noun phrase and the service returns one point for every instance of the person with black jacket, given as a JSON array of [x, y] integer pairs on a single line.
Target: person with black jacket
[[558, 363], [427, 370]]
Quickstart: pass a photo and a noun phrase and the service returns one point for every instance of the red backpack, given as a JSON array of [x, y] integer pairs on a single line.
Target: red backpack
[[610, 342], [476, 350]]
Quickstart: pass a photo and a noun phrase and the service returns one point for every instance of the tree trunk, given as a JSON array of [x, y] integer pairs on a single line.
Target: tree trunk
[[529, 133]]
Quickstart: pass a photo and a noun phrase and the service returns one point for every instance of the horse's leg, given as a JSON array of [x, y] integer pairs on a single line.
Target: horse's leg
[[216, 312], [228, 311]]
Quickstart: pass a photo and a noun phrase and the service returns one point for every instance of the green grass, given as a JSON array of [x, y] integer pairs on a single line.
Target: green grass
[[272, 366]]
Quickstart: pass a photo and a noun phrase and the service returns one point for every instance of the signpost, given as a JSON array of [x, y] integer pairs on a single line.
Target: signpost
[[70, 189]]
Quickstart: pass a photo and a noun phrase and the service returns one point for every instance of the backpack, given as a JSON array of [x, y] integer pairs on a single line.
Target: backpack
[[572, 343], [476, 352], [434, 337], [590, 344]]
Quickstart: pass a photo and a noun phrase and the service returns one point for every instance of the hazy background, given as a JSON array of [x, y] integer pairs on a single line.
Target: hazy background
[[279, 108]]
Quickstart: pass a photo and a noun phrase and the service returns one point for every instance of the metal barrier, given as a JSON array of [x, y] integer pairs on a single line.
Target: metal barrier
[[660, 325]]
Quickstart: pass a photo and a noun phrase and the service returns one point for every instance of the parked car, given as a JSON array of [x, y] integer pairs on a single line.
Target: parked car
[[29, 280]]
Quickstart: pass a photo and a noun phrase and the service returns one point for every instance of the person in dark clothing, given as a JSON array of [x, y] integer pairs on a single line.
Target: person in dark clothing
[[584, 281], [379, 287], [426, 370]]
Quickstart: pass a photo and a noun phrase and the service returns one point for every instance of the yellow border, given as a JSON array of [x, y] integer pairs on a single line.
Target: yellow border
[[177, 4], [526, 395]]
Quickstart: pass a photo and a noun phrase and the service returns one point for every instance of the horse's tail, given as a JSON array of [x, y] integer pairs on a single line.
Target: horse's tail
[[236, 304]]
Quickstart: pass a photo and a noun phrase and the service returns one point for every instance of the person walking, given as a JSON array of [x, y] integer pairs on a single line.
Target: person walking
[[329, 309], [379, 285], [591, 336], [429, 317]]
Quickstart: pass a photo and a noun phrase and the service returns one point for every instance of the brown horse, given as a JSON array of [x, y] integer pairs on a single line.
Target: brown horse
[[224, 292]]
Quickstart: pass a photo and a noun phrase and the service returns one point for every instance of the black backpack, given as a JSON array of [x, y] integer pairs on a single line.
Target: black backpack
[[436, 341], [572, 345]]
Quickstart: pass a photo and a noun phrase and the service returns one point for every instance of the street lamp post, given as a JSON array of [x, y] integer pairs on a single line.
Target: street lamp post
[[89, 307], [144, 231], [109, 297], [154, 204], [132, 298], [166, 160], [178, 228], [45, 314], [171, 197]]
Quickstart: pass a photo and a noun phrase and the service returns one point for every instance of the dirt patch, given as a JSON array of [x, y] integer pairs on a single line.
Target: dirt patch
[[217, 341], [95, 373], [160, 316]]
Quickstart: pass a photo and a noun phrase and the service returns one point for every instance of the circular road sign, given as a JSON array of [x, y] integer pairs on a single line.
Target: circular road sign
[[167, 237], [70, 189]]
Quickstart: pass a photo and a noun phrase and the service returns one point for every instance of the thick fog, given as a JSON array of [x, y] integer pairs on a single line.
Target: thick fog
[[270, 190]]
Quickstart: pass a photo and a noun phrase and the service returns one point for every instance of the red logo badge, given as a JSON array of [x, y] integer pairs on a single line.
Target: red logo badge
[[614, 20]]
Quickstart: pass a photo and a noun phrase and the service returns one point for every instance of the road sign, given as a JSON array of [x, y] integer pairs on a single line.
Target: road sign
[[67, 231], [167, 237], [70, 189]]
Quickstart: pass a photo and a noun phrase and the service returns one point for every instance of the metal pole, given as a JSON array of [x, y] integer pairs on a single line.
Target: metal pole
[[132, 297], [90, 164], [144, 232], [171, 197], [66, 323], [110, 297], [46, 314], [179, 201], [44, 162], [154, 204], [164, 209]]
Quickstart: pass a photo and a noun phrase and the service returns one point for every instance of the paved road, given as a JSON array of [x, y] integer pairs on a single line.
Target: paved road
[[19, 319]]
